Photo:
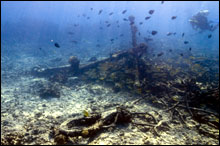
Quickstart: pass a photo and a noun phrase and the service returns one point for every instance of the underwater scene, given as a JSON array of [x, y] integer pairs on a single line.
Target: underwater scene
[[109, 72]]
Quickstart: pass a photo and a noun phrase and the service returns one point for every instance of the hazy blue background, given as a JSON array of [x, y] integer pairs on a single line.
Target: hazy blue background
[[26, 26]]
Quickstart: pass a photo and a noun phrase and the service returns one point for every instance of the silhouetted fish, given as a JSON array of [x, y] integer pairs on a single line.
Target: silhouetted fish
[[209, 36], [154, 32], [190, 49], [151, 12], [139, 33], [108, 25], [110, 13], [100, 11], [160, 54], [186, 42], [88, 17], [57, 45], [173, 17], [73, 41], [162, 2], [92, 59], [91, 9], [124, 11], [112, 40], [148, 17], [97, 45], [141, 23], [183, 34], [170, 50], [121, 35], [125, 19], [181, 54]]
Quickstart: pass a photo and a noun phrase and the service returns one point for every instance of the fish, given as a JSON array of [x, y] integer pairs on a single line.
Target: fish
[[169, 33], [209, 36], [123, 12], [154, 32], [131, 23], [88, 17], [170, 50], [160, 54], [92, 59], [108, 25], [100, 11], [141, 23], [121, 35], [40, 48], [125, 19], [181, 54], [183, 34], [71, 33], [190, 49], [112, 40], [57, 45], [76, 25], [97, 45], [162, 2], [148, 39], [148, 17], [186, 42], [173, 17], [139, 33], [91, 9], [151, 12], [56, 60], [111, 13], [73, 41]]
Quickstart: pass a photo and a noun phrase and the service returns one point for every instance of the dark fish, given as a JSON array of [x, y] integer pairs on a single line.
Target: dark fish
[[209, 36], [91, 9], [186, 42], [170, 50], [154, 32], [121, 35], [110, 13], [131, 23], [100, 28], [88, 17], [124, 11], [181, 54], [40, 48], [169, 33], [71, 33], [97, 45], [57, 45], [162, 2], [112, 40], [183, 34], [56, 60], [148, 17], [153, 55], [190, 49], [160, 54], [100, 11], [141, 23], [173, 17], [151, 12], [92, 59], [174, 33], [73, 41], [108, 25], [139, 33], [125, 19], [76, 25], [148, 39]]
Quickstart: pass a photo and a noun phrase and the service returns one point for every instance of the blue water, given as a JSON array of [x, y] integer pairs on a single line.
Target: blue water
[[27, 26]]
